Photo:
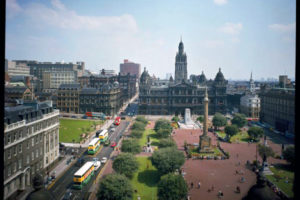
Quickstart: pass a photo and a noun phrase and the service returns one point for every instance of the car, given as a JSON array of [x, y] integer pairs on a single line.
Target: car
[[67, 195], [104, 159], [113, 144], [107, 142], [95, 159], [97, 164]]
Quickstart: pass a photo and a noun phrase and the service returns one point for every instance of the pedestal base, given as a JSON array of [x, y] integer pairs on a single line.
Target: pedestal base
[[205, 144]]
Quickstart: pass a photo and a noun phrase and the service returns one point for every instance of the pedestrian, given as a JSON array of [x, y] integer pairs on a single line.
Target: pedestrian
[[192, 184], [236, 172], [199, 184], [239, 163], [243, 179], [237, 155], [238, 190], [212, 188], [220, 194]]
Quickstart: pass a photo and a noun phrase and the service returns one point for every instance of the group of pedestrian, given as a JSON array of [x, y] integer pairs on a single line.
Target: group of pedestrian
[[192, 185]]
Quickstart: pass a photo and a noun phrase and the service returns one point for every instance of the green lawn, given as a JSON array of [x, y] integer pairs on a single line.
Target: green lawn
[[282, 172], [72, 129], [145, 180], [239, 137], [153, 138]]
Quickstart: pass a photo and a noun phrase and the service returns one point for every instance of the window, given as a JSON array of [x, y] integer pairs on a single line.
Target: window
[[32, 141], [8, 139], [27, 159], [20, 135], [9, 153], [41, 164], [20, 163], [41, 138], [8, 171], [15, 137], [20, 148], [37, 139], [47, 160], [32, 155], [36, 153], [15, 151], [27, 144], [15, 167], [41, 151]]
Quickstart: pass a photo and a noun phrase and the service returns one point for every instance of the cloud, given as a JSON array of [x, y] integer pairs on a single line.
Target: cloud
[[231, 28], [283, 27], [220, 2], [235, 40], [61, 17], [12, 8]]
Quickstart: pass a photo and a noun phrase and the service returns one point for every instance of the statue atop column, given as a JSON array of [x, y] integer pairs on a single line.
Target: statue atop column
[[205, 140]]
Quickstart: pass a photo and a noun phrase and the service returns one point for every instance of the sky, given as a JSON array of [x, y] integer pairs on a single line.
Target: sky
[[236, 36]]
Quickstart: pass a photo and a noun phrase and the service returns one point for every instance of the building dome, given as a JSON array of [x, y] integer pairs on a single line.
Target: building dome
[[116, 84], [145, 75], [202, 78], [171, 79], [106, 87], [219, 76]]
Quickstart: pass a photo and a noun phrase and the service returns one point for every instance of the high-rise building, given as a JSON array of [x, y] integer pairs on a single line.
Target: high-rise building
[[31, 143], [131, 68]]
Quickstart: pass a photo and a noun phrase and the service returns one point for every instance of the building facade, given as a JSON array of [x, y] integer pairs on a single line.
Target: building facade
[[106, 99], [173, 96], [53, 79], [278, 108], [131, 68], [31, 138], [16, 69], [68, 98]]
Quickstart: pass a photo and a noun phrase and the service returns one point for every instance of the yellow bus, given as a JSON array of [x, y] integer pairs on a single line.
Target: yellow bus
[[83, 175], [103, 136], [94, 146]]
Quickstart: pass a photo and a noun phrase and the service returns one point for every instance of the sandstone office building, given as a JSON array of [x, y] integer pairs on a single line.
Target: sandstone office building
[[169, 97]]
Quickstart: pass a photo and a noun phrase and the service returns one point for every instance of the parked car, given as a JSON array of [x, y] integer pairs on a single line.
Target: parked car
[[68, 195], [104, 159], [113, 144]]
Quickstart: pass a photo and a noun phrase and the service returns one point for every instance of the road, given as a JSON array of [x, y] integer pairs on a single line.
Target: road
[[65, 182], [132, 108]]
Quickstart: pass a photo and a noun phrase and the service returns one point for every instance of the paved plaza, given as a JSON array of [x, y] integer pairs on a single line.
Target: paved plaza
[[221, 174]]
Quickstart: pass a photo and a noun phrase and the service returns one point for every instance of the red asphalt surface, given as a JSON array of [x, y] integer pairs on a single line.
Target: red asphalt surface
[[220, 173]]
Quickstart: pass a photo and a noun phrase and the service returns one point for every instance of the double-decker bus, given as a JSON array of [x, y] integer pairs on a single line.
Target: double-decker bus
[[117, 121], [103, 136], [94, 146], [83, 175], [95, 114]]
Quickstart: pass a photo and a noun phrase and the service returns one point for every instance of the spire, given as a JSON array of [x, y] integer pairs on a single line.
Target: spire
[[180, 38], [219, 69], [144, 69], [251, 76]]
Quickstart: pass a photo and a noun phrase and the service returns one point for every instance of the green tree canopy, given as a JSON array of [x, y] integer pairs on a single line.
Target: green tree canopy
[[255, 132], [166, 142], [141, 119], [200, 118], [219, 120], [115, 186], [239, 120], [172, 187], [175, 119], [262, 149], [231, 130], [167, 160], [138, 126], [289, 155], [125, 164], [131, 146], [163, 124], [136, 133], [163, 133]]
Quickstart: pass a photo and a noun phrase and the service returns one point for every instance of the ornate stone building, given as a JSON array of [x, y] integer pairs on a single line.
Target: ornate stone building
[[68, 98], [160, 97]]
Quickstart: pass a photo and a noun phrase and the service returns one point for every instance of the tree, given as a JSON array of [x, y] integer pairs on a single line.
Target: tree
[[255, 132], [163, 133], [138, 126], [172, 187], [231, 130], [239, 120], [131, 146], [219, 120], [167, 160], [262, 149], [163, 124], [136, 133], [125, 164], [175, 119], [115, 186], [167, 142], [141, 119], [289, 155], [200, 118]]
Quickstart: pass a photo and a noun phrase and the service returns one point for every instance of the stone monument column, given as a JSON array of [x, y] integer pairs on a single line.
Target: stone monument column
[[205, 128]]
